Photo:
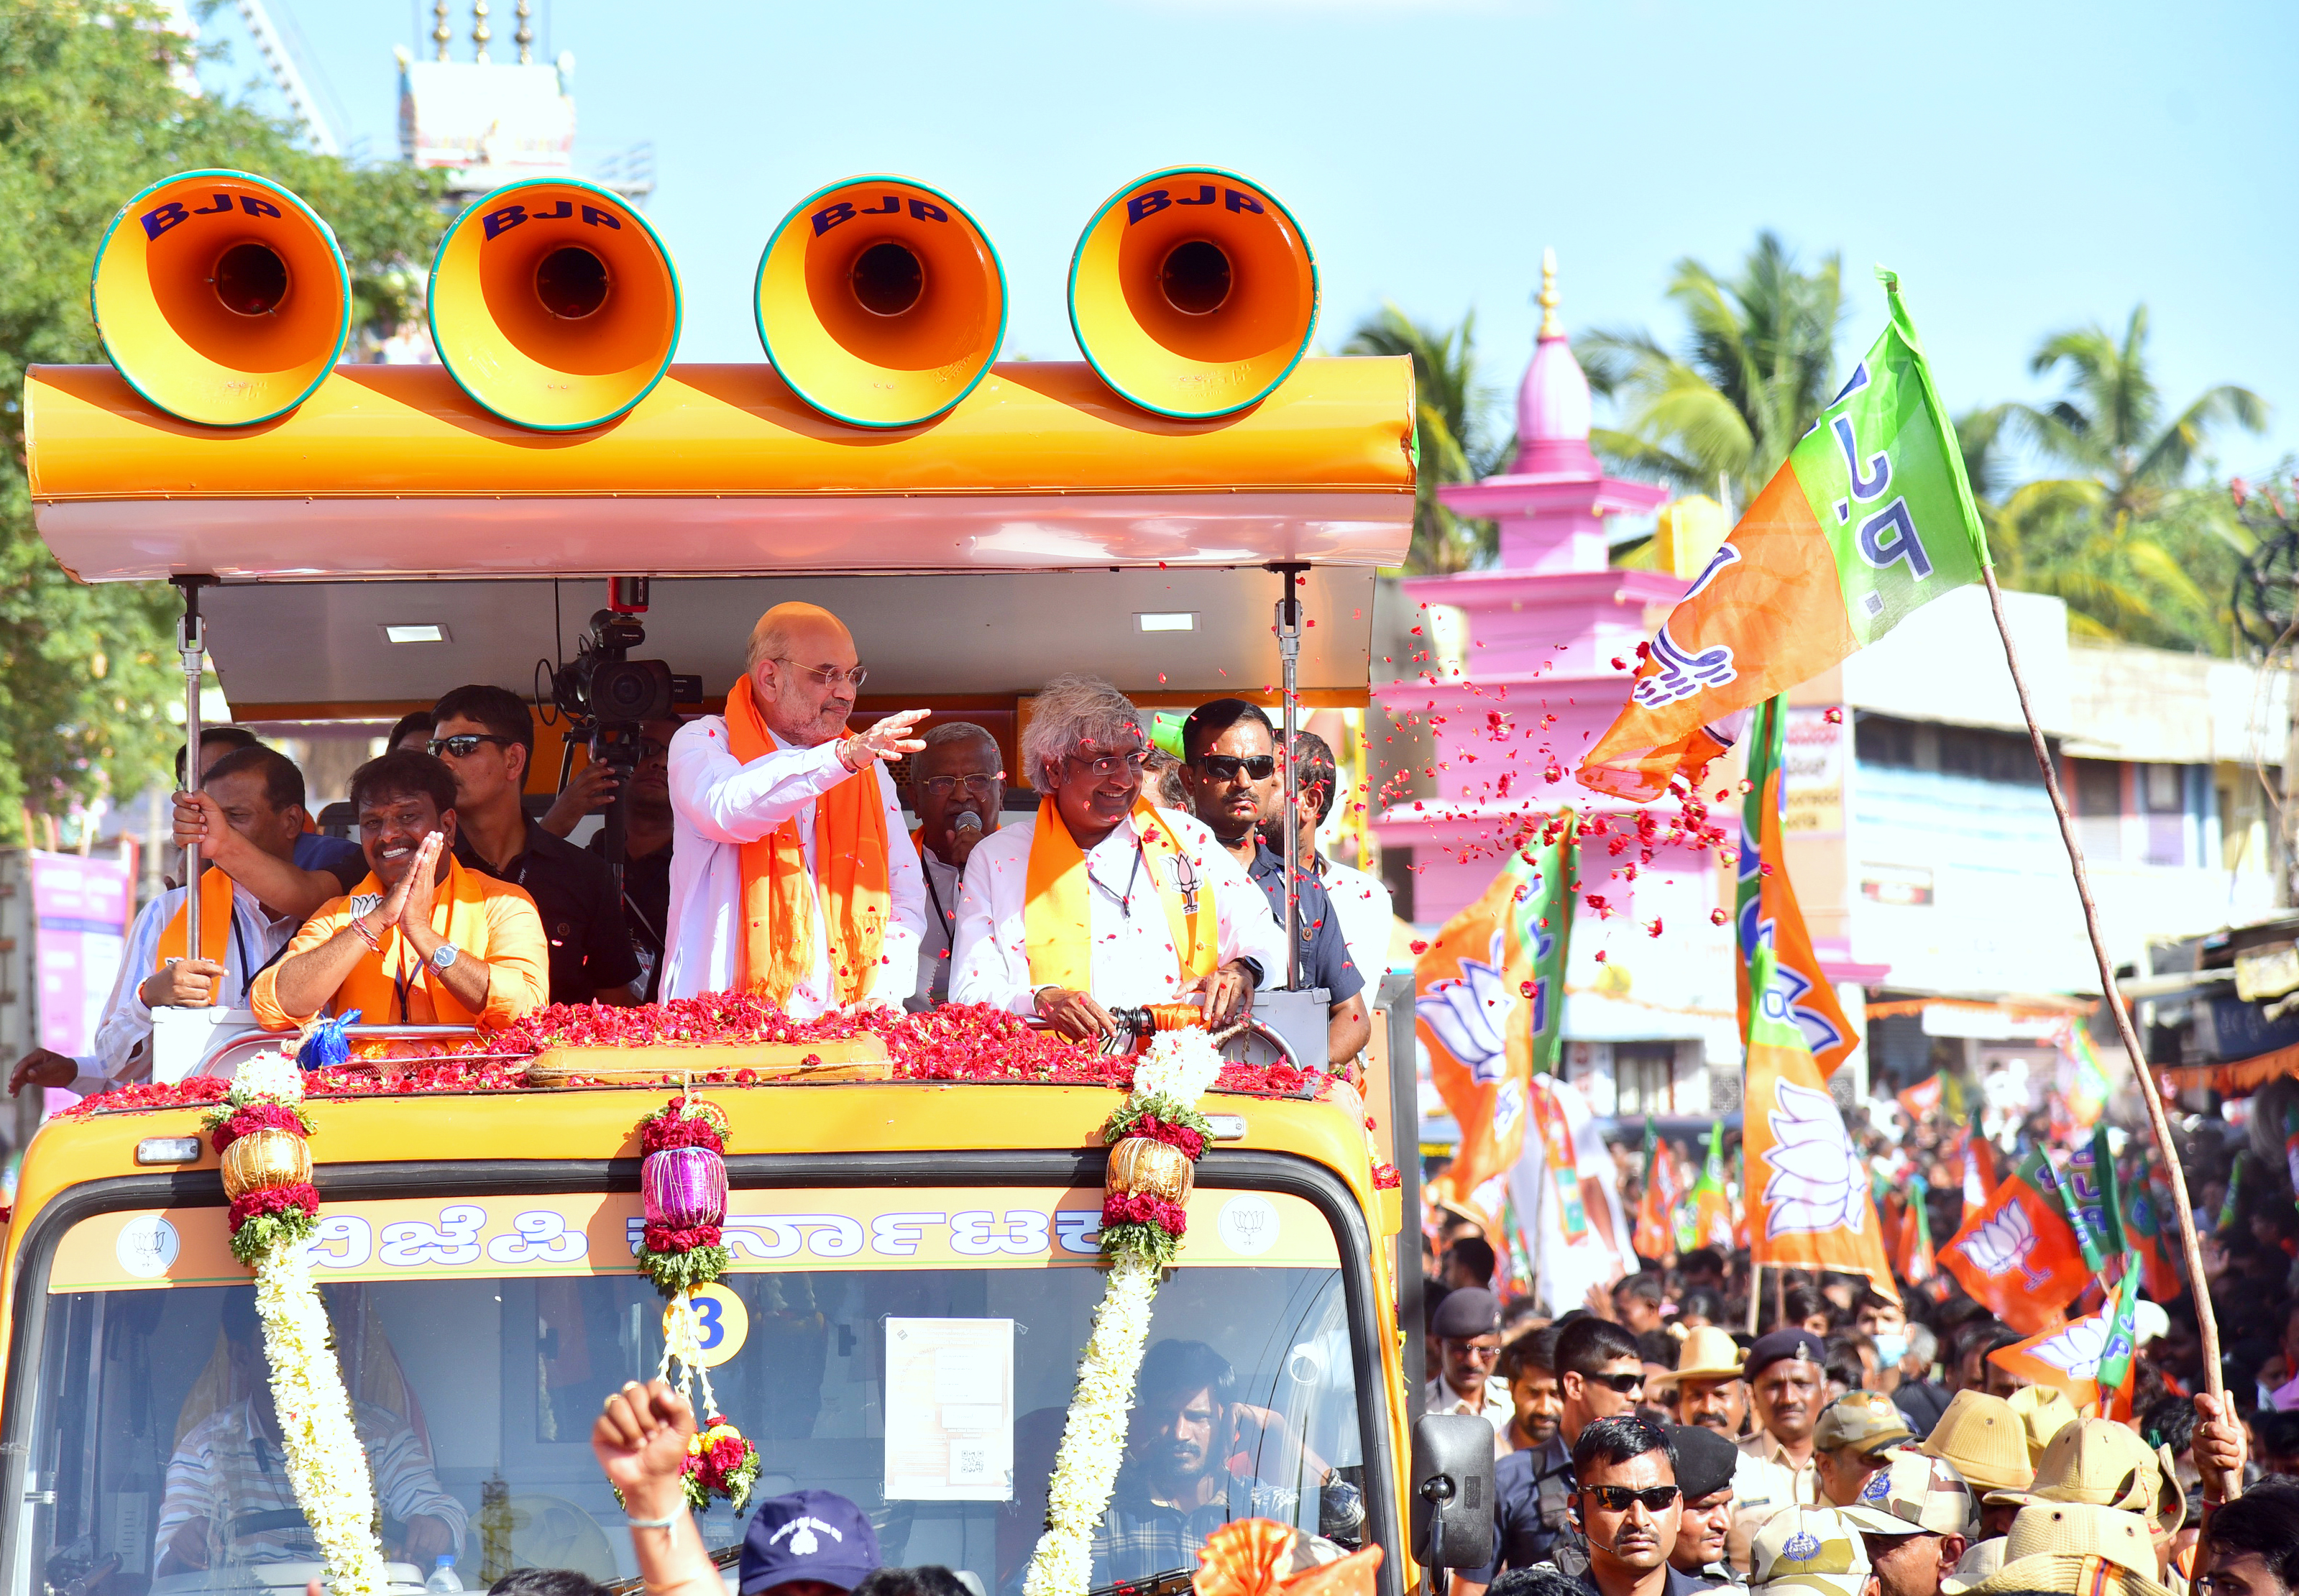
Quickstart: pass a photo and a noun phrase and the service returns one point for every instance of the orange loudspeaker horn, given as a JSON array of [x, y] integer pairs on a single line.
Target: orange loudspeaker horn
[[220, 297], [1193, 292], [881, 302], [554, 304]]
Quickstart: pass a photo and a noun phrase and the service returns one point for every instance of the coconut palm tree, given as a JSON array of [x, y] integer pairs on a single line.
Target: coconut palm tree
[[1461, 435], [1758, 366], [2138, 549]]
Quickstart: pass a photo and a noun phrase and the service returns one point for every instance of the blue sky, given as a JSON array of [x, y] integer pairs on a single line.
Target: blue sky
[[2025, 167]]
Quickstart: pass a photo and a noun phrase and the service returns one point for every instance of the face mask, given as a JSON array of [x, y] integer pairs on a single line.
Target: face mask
[[1891, 1346]]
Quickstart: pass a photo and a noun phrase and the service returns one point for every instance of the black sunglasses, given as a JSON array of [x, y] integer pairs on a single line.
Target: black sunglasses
[[1227, 766], [1618, 1498], [1622, 1384], [463, 747]]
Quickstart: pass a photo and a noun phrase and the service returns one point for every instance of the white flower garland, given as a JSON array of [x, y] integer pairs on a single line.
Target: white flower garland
[[1180, 1067], [326, 1464]]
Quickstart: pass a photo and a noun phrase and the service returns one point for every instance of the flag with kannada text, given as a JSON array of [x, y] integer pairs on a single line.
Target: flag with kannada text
[[1914, 1259], [2090, 1358], [1869, 519], [1705, 1220], [1664, 1191], [2017, 1254], [2146, 1213], [1766, 906], [1810, 1205], [1487, 1003], [2089, 1188]]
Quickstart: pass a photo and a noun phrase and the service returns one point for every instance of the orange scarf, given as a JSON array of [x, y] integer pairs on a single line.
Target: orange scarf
[[459, 913], [778, 901], [215, 925], [1057, 901]]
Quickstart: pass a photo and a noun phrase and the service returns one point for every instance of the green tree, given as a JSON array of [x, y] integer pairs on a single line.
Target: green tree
[[2138, 548], [90, 113], [1462, 435], [1757, 364]]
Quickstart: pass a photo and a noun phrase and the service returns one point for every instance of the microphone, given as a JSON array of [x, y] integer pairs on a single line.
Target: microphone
[[966, 821]]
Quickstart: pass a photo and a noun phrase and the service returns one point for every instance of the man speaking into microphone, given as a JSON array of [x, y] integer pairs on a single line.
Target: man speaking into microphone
[[957, 785]]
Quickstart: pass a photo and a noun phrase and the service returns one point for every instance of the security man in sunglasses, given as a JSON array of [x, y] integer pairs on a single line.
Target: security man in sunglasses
[[1230, 771], [1600, 1376], [485, 737]]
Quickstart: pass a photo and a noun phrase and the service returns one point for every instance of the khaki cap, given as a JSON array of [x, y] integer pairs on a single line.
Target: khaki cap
[[2046, 1411], [1707, 1353], [1914, 1495], [1984, 1438], [2068, 1547], [1865, 1419], [1980, 1562], [1809, 1548], [2099, 1462]]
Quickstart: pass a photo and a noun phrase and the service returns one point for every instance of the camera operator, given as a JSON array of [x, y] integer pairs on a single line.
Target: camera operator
[[485, 737], [646, 839]]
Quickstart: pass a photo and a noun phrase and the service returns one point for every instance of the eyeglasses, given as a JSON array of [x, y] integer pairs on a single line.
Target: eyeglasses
[[1109, 764], [1477, 1354], [1618, 1498], [827, 675], [1622, 1384], [973, 786], [1228, 767], [464, 746]]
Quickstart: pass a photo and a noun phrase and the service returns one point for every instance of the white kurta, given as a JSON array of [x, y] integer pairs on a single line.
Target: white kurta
[[122, 1049], [716, 804], [1134, 960], [1362, 904]]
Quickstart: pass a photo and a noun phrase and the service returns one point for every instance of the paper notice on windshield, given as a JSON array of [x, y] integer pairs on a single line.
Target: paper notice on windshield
[[950, 1410]]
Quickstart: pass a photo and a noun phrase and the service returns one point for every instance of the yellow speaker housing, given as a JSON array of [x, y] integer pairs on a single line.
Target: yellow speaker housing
[[1193, 292], [220, 297], [534, 332], [881, 302]]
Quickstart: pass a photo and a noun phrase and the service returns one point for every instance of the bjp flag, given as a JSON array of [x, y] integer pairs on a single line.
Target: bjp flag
[[1981, 1178], [2017, 1254], [2090, 1360], [1869, 519], [1920, 1099], [1656, 1233], [1705, 1220], [1913, 1258], [1810, 1205], [1766, 911], [1489, 1005], [2146, 1213]]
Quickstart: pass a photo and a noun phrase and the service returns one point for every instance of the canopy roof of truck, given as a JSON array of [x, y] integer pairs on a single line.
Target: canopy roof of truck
[[1082, 532]]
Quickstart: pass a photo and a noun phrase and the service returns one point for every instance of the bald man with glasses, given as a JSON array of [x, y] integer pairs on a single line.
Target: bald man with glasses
[[792, 875]]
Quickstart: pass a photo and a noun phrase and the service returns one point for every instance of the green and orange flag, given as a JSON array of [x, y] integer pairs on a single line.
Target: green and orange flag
[[2090, 1360], [1765, 909], [2017, 1253], [2146, 1217], [1705, 1219], [1664, 1189], [1488, 1004], [1869, 518]]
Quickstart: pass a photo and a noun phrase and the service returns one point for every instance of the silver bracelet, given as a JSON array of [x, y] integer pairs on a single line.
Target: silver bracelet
[[660, 1524]]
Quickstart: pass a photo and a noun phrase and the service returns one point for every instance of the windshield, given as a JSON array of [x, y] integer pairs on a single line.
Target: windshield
[[910, 1349]]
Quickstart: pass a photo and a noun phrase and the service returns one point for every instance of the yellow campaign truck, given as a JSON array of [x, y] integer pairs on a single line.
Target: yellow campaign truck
[[914, 1264]]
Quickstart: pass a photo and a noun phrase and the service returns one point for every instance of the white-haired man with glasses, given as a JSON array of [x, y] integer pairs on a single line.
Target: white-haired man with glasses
[[791, 874], [958, 786], [1101, 900]]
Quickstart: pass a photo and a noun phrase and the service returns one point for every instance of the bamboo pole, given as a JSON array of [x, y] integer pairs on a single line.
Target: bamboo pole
[[2157, 1120]]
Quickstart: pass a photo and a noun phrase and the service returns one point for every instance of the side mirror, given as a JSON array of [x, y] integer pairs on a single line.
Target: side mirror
[[1452, 1491]]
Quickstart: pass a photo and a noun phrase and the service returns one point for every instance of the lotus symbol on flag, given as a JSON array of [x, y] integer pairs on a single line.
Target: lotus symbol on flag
[[2076, 1349], [1815, 1184], [2001, 1244], [1467, 1016]]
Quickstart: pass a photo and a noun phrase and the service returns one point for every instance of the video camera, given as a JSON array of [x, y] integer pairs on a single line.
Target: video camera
[[606, 695]]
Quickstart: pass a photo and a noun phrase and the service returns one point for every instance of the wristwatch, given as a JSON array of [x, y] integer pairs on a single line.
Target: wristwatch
[[443, 957]]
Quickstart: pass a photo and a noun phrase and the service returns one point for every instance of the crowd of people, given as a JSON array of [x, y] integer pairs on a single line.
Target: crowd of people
[[1674, 1436], [768, 848]]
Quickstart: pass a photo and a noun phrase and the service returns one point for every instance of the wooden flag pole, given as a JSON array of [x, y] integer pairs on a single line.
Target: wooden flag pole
[[2198, 1287]]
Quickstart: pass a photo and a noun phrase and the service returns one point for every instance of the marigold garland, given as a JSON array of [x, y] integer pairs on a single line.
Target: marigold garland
[[273, 1205]]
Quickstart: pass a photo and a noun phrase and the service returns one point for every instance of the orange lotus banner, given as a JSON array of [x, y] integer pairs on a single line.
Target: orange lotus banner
[[1868, 519], [2017, 1254], [1810, 1205]]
